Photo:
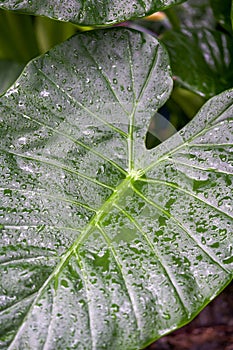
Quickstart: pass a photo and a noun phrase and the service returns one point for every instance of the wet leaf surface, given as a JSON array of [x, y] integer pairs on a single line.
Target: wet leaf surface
[[106, 244], [89, 12]]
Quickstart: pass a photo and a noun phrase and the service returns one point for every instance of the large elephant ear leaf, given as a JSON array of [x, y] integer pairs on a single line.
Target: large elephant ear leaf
[[89, 12], [105, 244]]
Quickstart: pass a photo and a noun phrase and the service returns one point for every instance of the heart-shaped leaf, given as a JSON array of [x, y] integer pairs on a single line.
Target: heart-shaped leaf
[[201, 60], [108, 245], [89, 12]]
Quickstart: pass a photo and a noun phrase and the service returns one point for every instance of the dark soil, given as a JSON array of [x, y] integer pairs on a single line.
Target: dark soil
[[212, 329]]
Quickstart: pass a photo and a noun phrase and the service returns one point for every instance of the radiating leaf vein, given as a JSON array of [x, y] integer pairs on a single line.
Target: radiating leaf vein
[[210, 145], [52, 317], [44, 194], [75, 141], [132, 114], [59, 166], [91, 315], [27, 298], [129, 292], [202, 200], [20, 227], [104, 75], [194, 166], [152, 66], [27, 260]]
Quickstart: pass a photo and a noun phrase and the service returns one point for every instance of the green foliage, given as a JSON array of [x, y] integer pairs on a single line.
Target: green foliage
[[222, 11], [14, 29], [207, 62], [107, 244], [89, 12], [199, 46], [9, 71]]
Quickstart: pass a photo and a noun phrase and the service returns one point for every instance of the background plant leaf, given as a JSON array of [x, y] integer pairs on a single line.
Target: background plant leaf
[[201, 59], [222, 13], [9, 72], [202, 13], [89, 12], [192, 14], [232, 14], [105, 243], [17, 37]]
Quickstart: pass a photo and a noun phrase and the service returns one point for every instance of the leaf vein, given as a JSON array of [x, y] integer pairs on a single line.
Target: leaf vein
[[104, 76], [59, 166], [89, 299], [14, 305], [218, 171], [68, 137], [131, 297], [47, 195], [153, 181], [26, 260]]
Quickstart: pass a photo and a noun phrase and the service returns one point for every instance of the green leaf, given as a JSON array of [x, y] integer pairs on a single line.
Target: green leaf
[[232, 14], [201, 59], [9, 72], [105, 244], [222, 13], [89, 12], [201, 13], [17, 37], [50, 32], [192, 14]]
